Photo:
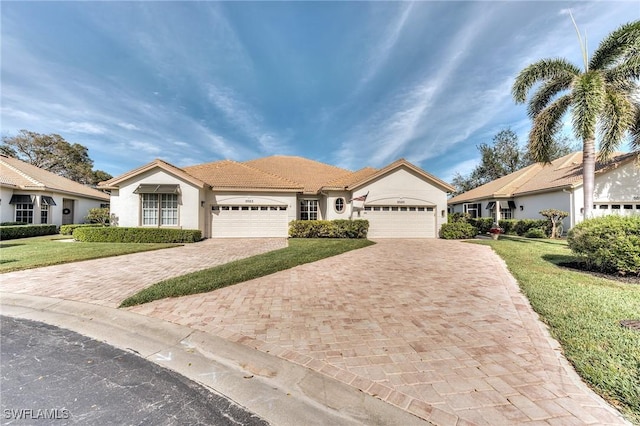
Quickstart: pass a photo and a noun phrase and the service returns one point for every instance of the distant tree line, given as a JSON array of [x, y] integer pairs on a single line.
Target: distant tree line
[[53, 153]]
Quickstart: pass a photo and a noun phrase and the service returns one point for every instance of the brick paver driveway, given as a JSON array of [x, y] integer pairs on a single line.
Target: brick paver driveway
[[435, 327], [108, 281]]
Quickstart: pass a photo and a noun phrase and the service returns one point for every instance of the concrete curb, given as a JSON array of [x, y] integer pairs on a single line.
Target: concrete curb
[[280, 392]]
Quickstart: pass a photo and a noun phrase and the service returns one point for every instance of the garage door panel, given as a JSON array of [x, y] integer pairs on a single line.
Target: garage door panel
[[400, 222], [249, 221]]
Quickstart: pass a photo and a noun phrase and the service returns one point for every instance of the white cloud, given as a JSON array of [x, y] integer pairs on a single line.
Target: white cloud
[[245, 119], [128, 126], [84, 127]]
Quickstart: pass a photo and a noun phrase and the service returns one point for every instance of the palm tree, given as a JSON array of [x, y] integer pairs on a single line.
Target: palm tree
[[602, 98]]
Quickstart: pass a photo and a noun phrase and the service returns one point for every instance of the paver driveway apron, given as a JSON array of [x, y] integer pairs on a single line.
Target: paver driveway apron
[[438, 328], [110, 280]]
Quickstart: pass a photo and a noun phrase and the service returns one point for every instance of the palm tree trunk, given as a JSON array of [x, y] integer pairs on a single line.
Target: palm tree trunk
[[588, 174]]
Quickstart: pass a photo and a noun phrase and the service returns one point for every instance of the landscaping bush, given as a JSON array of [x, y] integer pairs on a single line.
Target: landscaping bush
[[609, 243], [68, 229], [98, 215], [536, 233], [14, 223], [13, 232], [116, 234], [340, 228], [508, 226], [522, 226], [482, 224], [457, 231]]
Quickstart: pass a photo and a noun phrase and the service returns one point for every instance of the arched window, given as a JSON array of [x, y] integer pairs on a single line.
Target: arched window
[[339, 205]]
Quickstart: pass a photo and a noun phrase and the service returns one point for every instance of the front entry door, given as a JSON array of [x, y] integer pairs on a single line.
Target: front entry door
[[67, 211]]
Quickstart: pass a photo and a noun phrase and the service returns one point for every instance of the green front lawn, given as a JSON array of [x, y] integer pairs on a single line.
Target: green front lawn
[[27, 253], [583, 313], [298, 252]]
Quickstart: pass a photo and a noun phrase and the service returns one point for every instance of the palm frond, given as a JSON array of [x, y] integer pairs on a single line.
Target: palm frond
[[546, 93], [628, 70], [635, 127], [616, 45], [541, 71], [615, 120], [545, 125], [587, 102]]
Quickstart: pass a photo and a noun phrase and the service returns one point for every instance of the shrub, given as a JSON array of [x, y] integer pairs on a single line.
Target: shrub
[[482, 224], [609, 243], [457, 231], [14, 223], [508, 226], [457, 217], [98, 215], [340, 228], [115, 234], [536, 233], [68, 229], [522, 226], [25, 231]]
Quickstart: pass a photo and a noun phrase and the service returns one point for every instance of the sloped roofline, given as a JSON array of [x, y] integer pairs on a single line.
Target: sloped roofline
[[567, 161], [396, 165], [61, 184], [157, 163]]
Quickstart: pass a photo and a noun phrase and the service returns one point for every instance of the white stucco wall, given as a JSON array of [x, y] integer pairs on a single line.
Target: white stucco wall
[[127, 207], [329, 203], [6, 210], [80, 211], [404, 187], [534, 203], [619, 185]]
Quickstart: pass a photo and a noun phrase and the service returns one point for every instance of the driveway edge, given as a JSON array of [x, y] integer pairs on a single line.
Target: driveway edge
[[280, 392]]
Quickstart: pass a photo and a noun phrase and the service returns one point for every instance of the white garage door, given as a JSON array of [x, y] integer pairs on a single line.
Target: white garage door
[[400, 222], [249, 221]]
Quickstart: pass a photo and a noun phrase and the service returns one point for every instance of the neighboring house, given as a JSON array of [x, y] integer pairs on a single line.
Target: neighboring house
[[259, 198], [30, 194], [523, 194]]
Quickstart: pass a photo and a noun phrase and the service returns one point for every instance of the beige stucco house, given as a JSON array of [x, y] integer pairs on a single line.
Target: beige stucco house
[[30, 194], [258, 198], [523, 194]]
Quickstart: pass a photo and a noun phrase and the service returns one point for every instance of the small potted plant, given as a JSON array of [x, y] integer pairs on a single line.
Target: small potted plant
[[495, 231]]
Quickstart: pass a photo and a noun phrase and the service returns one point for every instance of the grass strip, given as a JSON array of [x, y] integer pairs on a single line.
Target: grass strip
[[35, 252], [583, 313], [299, 251]]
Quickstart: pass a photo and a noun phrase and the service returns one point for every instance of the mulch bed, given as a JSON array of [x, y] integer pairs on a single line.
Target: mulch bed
[[583, 267]]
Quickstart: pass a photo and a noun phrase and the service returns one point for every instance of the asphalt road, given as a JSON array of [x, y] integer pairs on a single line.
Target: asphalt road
[[54, 376]]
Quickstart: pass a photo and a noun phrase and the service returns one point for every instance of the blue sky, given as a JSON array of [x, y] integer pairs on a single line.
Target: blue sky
[[352, 84]]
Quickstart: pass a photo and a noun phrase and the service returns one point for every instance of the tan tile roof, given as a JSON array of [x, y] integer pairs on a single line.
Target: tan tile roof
[[344, 181], [398, 163], [563, 172], [115, 182], [278, 172], [234, 175], [29, 177], [311, 175]]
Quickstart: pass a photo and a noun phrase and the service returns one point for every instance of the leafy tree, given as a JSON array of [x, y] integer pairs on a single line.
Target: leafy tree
[[53, 153], [600, 98], [503, 157], [554, 217], [98, 215]]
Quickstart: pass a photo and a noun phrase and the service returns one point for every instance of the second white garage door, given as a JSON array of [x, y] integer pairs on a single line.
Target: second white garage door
[[249, 221], [400, 222]]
